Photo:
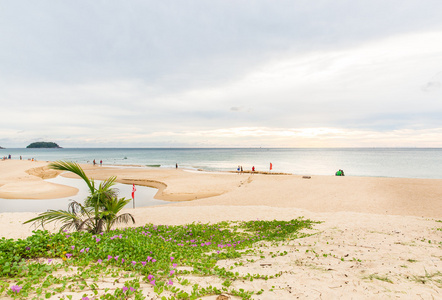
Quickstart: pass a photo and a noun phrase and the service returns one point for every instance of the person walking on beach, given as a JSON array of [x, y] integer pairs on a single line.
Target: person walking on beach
[[253, 169], [176, 166], [101, 163], [94, 162]]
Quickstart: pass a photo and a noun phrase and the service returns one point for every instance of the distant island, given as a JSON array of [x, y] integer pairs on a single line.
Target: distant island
[[43, 145]]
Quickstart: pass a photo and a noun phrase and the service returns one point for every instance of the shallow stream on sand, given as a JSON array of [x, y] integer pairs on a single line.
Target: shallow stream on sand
[[143, 197]]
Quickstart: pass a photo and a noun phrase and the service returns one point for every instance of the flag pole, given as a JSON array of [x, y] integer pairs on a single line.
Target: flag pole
[[133, 195]]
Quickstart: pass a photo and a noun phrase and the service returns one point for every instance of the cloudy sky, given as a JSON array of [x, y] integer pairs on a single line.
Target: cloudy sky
[[200, 73]]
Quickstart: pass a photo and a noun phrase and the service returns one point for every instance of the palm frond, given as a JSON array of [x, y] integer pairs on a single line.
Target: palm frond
[[70, 225], [74, 168], [108, 183], [115, 205], [53, 216], [103, 193], [124, 218]]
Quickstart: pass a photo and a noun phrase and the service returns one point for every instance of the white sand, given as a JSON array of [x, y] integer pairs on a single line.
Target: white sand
[[378, 239]]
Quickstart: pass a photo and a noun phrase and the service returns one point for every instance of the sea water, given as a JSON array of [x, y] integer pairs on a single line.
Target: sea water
[[376, 162]]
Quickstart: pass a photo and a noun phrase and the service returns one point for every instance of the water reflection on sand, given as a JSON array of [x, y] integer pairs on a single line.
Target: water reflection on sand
[[143, 197]]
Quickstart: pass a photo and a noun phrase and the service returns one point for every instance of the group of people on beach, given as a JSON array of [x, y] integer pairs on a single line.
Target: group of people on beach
[[94, 163], [240, 169], [10, 157], [340, 172]]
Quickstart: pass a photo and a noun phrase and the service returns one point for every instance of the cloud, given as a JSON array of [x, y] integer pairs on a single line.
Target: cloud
[[235, 108], [147, 73], [431, 85], [434, 83], [189, 43], [283, 137]]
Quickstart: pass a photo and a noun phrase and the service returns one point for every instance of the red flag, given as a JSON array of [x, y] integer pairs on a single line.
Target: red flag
[[133, 191], [271, 166]]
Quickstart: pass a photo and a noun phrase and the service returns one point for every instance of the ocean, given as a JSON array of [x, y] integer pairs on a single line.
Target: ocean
[[376, 162]]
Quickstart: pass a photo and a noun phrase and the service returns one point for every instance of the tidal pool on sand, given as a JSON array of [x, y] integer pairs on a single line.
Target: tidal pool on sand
[[143, 197]]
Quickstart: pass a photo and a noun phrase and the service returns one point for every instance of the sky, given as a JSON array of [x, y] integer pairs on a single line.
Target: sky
[[221, 73]]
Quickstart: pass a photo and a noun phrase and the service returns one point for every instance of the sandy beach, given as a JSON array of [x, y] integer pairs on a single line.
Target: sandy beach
[[386, 230]]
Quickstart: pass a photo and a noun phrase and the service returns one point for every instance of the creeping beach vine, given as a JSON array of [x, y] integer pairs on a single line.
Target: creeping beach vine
[[133, 263]]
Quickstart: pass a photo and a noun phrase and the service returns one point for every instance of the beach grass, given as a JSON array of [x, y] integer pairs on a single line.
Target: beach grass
[[128, 263]]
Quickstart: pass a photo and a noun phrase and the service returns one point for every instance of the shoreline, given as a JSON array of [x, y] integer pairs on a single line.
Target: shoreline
[[379, 195], [388, 162], [191, 169]]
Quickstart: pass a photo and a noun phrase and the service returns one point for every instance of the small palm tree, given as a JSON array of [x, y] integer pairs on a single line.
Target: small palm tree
[[99, 212]]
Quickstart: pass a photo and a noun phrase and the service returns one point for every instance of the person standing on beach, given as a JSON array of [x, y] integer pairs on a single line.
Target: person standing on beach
[[253, 169], [176, 166], [101, 163], [94, 162]]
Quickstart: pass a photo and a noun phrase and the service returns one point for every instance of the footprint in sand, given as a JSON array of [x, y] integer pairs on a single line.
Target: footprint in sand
[[249, 180]]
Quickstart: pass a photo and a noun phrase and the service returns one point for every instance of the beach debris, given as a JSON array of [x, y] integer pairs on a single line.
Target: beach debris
[[306, 177], [265, 265]]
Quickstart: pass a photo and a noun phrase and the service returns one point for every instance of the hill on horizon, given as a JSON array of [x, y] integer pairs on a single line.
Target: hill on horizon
[[43, 145]]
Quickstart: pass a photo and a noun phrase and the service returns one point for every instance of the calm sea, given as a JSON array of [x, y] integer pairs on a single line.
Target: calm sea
[[378, 162]]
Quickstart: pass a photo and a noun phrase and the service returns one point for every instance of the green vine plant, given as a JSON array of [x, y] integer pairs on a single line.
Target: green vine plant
[[137, 263]]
